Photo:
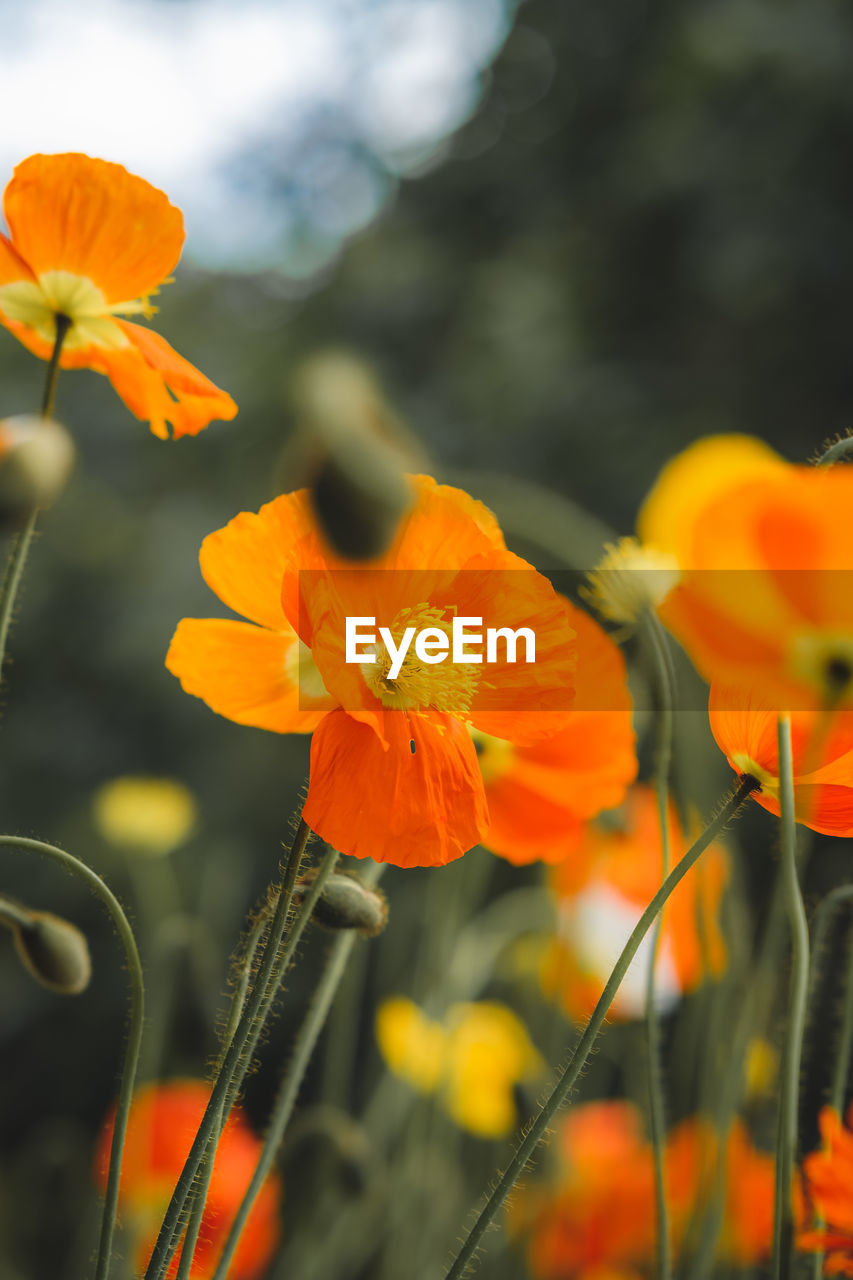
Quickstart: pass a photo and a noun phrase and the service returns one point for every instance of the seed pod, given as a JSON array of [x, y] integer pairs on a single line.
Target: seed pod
[[346, 903], [55, 952], [36, 457]]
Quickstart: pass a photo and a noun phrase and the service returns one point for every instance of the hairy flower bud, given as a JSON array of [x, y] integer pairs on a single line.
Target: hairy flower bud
[[360, 451], [346, 903], [36, 457], [54, 951]]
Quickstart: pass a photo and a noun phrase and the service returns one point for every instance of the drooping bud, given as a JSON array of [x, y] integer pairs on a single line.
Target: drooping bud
[[630, 579], [346, 903], [36, 458], [54, 951], [358, 454]]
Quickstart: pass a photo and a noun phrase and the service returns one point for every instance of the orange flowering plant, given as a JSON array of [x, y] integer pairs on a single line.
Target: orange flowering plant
[[828, 1191], [92, 243], [541, 794], [394, 772]]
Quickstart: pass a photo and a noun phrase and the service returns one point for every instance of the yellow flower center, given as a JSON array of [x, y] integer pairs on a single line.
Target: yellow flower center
[[36, 304], [494, 755], [825, 661], [629, 579], [447, 687]]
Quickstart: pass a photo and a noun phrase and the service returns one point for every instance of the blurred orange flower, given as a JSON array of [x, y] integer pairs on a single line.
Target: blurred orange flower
[[162, 1125], [92, 242], [596, 1217], [602, 891], [822, 752], [766, 601], [541, 794], [394, 773], [828, 1186]]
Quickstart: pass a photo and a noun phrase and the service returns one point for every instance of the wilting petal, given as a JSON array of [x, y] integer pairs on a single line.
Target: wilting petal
[[94, 219], [244, 672], [413, 809], [160, 386]]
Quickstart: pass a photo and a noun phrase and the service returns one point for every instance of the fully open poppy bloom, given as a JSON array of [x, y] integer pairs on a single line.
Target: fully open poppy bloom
[[92, 242], [162, 1125], [828, 1184], [766, 601], [602, 891], [821, 749], [472, 1060], [394, 772], [541, 795]]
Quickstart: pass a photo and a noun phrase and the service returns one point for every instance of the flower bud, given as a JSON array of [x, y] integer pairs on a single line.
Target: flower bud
[[346, 903], [360, 449], [55, 952], [36, 457]]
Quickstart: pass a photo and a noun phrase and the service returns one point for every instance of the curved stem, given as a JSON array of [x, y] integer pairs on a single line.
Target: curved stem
[[306, 1042], [663, 761], [536, 1130], [234, 1064], [786, 1140], [836, 452], [131, 1053], [21, 546]]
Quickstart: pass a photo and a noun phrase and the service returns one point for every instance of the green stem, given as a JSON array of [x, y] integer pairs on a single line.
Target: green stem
[[306, 1042], [786, 1141], [131, 1053], [234, 1065], [21, 546], [836, 452], [663, 762], [296, 930], [537, 1128]]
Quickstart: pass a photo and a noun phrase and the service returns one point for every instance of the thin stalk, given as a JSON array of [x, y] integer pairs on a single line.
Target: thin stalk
[[786, 1139], [21, 546], [538, 1126], [234, 1063], [836, 452], [131, 1053], [663, 763], [306, 1042], [296, 930]]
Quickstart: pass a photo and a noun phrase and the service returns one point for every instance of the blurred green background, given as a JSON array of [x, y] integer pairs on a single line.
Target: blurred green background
[[642, 234]]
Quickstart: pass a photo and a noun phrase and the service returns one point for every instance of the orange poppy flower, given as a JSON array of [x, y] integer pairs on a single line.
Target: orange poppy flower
[[597, 1218], [828, 1184], [822, 755], [161, 1128], [540, 795], [92, 242], [602, 891], [766, 602], [394, 773]]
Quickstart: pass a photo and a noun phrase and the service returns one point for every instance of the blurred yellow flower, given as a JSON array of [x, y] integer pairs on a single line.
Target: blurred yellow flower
[[473, 1060], [144, 815], [413, 1046]]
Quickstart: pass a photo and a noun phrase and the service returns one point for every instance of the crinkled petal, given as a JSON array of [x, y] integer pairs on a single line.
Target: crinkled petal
[[386, 802], [74, 213]]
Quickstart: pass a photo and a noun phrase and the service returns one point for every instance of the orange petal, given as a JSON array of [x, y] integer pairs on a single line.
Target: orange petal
[[527, 828], [74, 213], [12, 265], [243, 672], [418, 809], [160, 386], [245, 563]]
